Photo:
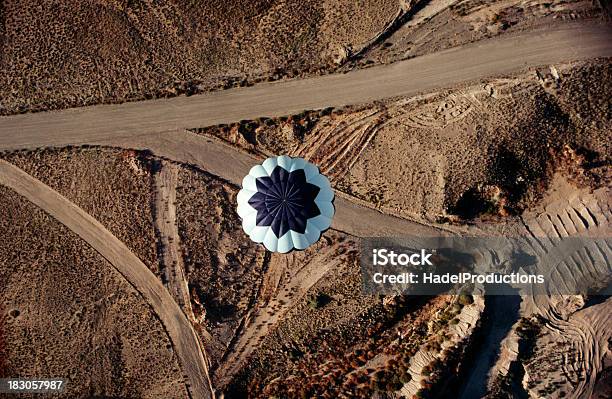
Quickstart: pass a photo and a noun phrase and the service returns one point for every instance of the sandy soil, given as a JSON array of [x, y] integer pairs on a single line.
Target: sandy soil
[[438, 25], [504, 55], [223, 267], [173, 270], [265, 318], [113, 52], [112, 185], [502, 316], [488, 148], [110, 51], [569, 356], [67, 312], [517, 142], [468, 320], [185, 342], [357, 346], [566, 357], [287, 280]]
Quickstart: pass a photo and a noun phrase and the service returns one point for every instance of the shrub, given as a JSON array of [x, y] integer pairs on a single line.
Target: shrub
[[379, 375], [394, 386], [465, 299], [405, 378], [318, 300], [378, 385]]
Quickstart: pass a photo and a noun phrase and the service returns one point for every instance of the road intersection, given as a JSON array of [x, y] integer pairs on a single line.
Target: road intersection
[[160, 127]]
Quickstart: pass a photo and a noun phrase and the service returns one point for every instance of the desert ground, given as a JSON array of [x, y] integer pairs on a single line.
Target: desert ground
[[123, 145], [66, 311]]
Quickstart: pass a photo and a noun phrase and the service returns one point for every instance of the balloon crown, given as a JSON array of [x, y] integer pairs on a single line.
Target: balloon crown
[[285, 203]]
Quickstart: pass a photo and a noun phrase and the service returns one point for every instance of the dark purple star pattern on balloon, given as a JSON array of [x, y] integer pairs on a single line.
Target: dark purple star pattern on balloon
[[285, 201]]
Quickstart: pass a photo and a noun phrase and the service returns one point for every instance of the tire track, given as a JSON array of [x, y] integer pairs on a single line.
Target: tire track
[[182, 335], [167, 230], [287, 287], [497, 56], [585, 331], [336, 146], [222, 160]]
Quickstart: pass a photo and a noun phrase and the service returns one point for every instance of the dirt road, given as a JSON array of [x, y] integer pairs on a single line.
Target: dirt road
[[159, 125], [180, 331], [496, 56], [168, 236], [258, 323], [230, 164]]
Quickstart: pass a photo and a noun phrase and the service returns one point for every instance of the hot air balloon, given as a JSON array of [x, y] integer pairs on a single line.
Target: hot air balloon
[[285, 203]]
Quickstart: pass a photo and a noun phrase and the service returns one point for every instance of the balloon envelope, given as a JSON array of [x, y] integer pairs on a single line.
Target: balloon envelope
[[285, 203]]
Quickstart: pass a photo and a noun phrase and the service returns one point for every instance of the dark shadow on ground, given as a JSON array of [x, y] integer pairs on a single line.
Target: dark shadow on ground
[[500, 314]]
